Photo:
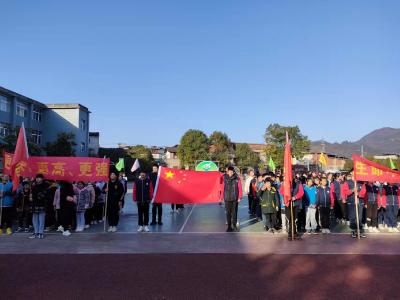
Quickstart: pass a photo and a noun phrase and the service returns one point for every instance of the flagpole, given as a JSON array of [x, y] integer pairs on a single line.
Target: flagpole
[[356, 203], [291, 216], [105, 208]]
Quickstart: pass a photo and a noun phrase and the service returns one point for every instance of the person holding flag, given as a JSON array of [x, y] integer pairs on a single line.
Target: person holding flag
[[292, 191]]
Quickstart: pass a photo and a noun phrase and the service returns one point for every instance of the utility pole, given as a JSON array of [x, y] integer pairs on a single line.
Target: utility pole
[[362, 150]]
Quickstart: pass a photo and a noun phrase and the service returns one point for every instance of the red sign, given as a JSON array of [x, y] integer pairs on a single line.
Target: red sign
[[366, 170], [63, 168]]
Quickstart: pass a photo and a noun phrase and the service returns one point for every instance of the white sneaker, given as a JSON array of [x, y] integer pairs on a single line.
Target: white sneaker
[[114, 229], [87, 226], [395, 230], [348, 223], [146, 229], [140, 229], [66, 233], [110, 229], [376, 230], [327, 231], [60, 228], [390, 230], [78, 229]]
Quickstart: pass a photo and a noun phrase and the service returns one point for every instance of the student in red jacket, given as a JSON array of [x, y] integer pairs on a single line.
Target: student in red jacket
[[391, 200]]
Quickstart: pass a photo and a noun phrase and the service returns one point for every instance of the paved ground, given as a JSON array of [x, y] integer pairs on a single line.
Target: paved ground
[[192, 257]]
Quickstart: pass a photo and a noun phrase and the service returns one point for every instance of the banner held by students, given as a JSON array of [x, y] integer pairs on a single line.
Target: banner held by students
[[185, 187], [366, 170], [63, 168]]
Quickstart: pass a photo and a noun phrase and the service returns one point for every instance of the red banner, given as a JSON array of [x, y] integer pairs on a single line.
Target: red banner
[[184, 187], [63, 168], [366, 170]]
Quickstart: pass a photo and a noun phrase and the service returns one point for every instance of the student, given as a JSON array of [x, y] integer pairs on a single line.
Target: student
[[115, 190], [50, 220], [348, 194], [269, 205], [370, 191], [40, 194], [89, 212], [7, 204], [325, 202], [310, 195], [391, 200], [23, 206], [297, 194], [82, 195], [250, 192], [282, 204], [157, 207], [142, 194], [64, 203], [232, 192], [100, 194]]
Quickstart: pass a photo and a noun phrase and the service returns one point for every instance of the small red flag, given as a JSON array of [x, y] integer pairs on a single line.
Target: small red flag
[[287, 183], [20, 161], [184, 187]]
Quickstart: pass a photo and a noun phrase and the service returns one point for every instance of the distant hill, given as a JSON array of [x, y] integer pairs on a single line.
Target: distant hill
[[380, 141]]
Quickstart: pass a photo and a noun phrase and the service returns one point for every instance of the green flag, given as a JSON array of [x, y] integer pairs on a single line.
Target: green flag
[[120, 165], [271, 164], [392, 165]]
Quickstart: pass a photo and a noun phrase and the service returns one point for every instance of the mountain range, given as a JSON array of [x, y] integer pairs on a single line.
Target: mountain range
[[381, 141]]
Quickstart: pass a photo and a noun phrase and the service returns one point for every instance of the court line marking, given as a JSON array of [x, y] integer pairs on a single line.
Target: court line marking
[[187, 219]]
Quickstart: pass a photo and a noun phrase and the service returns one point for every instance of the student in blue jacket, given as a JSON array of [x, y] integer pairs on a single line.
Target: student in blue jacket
[[310, 195], [7, 204]]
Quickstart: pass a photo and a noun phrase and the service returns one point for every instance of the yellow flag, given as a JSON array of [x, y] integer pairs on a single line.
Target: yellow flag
[[322, 159]]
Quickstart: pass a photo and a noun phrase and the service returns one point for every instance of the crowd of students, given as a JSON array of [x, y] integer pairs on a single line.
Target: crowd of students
[[318, 202], [321, 201]]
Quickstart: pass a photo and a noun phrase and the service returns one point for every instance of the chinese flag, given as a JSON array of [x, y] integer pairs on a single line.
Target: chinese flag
[[184, 187], [287, 183], [19, 163]]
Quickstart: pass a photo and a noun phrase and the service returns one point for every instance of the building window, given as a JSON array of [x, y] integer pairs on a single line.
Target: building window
[[83, 125], [83, 147], [22, 110], [37, 115], [4, 104], [36, 137], [4, 129]]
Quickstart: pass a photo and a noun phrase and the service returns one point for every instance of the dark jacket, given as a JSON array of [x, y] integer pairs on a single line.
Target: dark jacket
[[153, 177], [142, 190], [269, 201], [231, 188], [40, 194], [22, 202], [115, 193], [325, 196]]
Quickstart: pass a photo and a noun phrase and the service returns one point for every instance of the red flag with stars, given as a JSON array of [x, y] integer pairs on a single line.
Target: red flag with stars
[[184, 187]]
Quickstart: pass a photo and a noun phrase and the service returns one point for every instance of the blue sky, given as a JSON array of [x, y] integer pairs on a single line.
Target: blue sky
[[150, 70]]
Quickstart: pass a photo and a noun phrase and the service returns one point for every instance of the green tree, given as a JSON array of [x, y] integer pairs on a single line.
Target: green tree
[[220, 147], [348, 165], [10, 141], [194, 146], [275, 138], [63, 146], [143, 154], [245, 157]]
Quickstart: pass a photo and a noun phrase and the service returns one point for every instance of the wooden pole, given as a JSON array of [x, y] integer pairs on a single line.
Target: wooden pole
[[292, 218], [105, 208], [356, 204]]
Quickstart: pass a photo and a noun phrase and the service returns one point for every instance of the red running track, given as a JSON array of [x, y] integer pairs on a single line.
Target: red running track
[[199, 276]]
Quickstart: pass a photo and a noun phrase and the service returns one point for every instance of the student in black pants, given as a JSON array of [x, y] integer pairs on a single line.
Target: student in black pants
[[142, 194]]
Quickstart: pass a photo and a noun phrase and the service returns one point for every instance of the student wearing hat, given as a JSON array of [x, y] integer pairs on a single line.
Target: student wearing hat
[[115, 191], [142, 194]]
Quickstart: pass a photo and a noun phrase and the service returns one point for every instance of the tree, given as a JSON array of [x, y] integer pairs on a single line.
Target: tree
[[63, 146], [194, 146], [10, 141], [220, 147], [142, 153], [275, 138], [245, 157], [348, 165]]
